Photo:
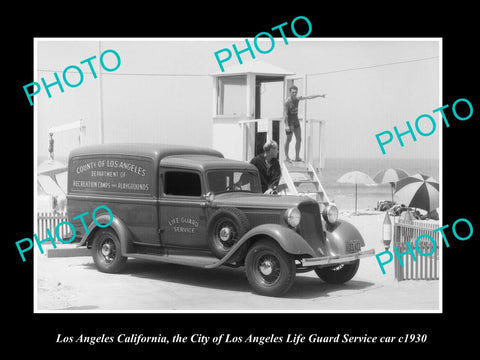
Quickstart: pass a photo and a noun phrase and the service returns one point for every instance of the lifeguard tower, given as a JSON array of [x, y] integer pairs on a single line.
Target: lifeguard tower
[[242, 122]]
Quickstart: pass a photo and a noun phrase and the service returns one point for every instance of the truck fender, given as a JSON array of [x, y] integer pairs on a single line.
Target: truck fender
[[339, 234], [287, 238], [124, 235]]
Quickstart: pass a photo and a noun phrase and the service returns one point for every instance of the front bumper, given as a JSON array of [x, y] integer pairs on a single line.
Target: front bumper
[[331, 260]]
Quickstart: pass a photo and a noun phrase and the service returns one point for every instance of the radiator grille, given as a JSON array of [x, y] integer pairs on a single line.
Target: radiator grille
[[311, 224]]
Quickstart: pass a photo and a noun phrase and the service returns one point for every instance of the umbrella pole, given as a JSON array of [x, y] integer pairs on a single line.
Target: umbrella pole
[[356, 212]]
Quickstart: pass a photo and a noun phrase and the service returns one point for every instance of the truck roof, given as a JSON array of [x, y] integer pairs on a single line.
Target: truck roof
[[204, 162], [154, 151]]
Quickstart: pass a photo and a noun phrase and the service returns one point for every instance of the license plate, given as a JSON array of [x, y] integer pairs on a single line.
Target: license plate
[[354, 246]]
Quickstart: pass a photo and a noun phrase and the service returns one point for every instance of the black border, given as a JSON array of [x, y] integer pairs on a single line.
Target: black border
[[454, 25]]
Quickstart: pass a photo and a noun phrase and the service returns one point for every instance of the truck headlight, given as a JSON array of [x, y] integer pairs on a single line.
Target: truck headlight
[[330, 214], [293, 216]]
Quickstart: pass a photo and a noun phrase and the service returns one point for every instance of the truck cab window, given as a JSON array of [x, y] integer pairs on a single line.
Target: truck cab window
[[182, 183]]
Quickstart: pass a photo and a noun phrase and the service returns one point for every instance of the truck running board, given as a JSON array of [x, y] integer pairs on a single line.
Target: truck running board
[[208, 262]]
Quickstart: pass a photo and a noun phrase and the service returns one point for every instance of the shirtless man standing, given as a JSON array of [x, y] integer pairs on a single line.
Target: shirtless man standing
[[292, 124]]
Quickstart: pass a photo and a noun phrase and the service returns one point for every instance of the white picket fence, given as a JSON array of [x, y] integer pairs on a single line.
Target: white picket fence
[[50, 221], [425, 267]]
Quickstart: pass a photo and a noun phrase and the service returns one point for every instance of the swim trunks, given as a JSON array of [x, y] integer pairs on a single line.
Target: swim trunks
[[291, 107]]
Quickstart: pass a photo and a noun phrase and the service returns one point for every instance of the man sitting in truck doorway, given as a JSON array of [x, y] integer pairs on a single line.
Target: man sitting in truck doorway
[[268, 167], [292, 123]]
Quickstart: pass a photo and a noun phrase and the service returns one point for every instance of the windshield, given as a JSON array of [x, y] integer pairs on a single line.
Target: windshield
[[233, 180]]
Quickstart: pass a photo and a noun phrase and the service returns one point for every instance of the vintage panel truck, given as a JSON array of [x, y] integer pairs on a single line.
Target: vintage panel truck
[[189, 205]]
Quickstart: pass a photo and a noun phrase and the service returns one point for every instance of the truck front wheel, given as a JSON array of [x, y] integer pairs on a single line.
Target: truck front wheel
[[269, 269], [338, 274]]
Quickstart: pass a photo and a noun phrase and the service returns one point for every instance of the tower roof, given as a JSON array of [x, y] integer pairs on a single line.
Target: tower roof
[[256, 67]]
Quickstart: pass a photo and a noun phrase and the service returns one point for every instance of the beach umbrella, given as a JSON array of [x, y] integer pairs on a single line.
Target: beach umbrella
[[391, 176], [418, 191], [47, 179], [50, 186], [51, 167], [356, 177]]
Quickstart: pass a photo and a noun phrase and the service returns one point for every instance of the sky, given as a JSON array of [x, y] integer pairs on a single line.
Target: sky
[[162, 91]]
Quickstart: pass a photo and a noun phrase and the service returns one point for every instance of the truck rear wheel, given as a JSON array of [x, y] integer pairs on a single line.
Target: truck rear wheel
[[338, 274], [106, 251], [269, 269]]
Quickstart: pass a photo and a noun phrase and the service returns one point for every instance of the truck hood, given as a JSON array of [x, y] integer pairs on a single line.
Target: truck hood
[[246, 199]]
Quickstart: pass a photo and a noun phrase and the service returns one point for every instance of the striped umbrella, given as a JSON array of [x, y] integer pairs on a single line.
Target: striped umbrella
[[391, 176], [418, 191]]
